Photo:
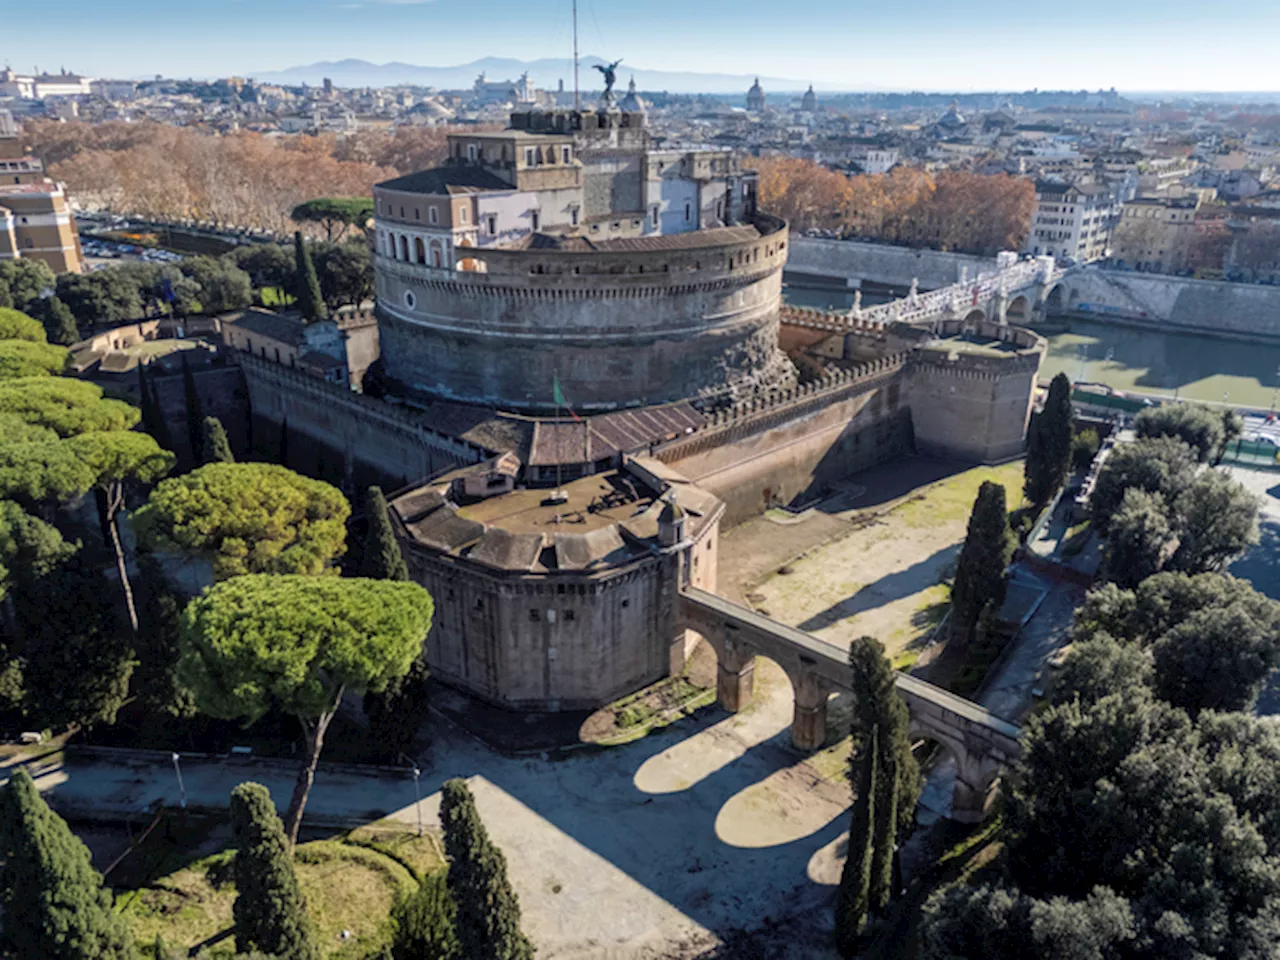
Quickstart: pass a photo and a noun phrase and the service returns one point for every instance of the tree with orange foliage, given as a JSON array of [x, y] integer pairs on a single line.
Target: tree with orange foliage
[[953, 211]]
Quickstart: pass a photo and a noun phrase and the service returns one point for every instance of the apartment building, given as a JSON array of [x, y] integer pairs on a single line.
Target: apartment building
[[1072, 221], [35, 220]]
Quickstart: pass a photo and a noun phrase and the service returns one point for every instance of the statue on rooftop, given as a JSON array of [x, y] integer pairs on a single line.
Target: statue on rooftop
[[610, 72]]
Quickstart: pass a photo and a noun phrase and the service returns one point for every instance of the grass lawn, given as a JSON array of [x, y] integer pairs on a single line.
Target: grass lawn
[[886, 577], [350, 884], [274, 297]]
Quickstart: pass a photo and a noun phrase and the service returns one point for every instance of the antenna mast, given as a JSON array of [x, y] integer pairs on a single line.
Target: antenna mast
[[575, 53]]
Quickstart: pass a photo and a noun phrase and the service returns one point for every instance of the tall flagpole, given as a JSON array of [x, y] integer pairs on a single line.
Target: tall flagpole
[[575, 54]]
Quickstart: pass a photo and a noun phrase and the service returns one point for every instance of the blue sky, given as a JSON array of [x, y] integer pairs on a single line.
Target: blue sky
[[851, 44]]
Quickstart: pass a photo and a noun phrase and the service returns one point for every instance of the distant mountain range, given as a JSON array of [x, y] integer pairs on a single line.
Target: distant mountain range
[[546, 75]]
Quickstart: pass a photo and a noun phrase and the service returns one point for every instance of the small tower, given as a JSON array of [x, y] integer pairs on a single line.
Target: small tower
[[671, 523]]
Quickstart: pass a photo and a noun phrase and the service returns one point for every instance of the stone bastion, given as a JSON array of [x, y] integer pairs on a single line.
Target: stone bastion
[[557, 603], [620, 323]]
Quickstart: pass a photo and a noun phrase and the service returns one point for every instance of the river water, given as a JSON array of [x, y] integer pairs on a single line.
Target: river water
[[1192, 366]]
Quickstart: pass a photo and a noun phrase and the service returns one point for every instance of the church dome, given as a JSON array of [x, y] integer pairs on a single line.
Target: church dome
[[632, 103], [810, 102], [755, 97], [953, 117]]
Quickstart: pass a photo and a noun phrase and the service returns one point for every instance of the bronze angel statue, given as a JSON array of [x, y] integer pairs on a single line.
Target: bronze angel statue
[[610, 72]]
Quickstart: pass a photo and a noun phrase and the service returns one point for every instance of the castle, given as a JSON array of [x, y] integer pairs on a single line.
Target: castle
[[590, 371]]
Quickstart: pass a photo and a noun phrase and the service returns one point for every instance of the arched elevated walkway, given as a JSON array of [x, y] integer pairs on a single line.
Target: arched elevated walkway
[[983, 743]]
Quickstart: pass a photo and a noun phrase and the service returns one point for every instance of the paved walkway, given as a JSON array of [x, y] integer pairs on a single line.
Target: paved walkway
[[646, 850]]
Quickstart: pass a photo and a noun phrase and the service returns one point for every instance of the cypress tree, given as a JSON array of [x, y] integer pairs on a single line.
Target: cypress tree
[[269, 912], [396, 714], [853, 901], [195, 411], [152, 416], [1049, 444], [213, 442], [488, 918], [980, 580], [310, 302], [55, 905], [423, 922], [59, 322], [382, 557], [880, 711], [884, 849]]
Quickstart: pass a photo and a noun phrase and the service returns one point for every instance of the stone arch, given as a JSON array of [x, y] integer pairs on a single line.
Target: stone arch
[[938, 798], [735, 682], [974, 317], [976, 773], [404, 248], [419, 251], [468, 264], [1019, 310], [1057, 300]]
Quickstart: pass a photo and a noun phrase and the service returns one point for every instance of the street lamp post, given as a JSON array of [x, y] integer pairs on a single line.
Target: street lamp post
[[417, 797], [182, 790]]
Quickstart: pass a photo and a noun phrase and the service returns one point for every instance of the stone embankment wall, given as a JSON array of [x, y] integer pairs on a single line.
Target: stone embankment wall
[[1242, 311], [851, 263]]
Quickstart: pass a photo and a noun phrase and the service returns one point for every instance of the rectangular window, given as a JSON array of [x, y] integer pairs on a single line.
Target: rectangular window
[[432, 215], [535, 616], [653, 216], [464, 215], [566, 154], [417, 214], [688, 212], [530, 156], [573, 216], [493, 225], [473, 152], [535, 220], [568, 616]]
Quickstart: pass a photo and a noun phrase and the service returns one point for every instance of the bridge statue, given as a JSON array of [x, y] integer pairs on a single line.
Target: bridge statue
[[915, 290], [610, 72], [857, 304]]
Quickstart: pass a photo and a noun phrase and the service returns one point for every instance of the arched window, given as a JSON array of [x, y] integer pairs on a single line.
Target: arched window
[[404, 247], [419, 251], [436, 258]]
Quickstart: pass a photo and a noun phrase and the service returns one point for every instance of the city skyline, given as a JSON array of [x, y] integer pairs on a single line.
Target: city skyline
[[1133, 45]]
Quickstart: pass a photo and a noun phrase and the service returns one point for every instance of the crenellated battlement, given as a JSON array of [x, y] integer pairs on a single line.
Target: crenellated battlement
[[355, 407], [791, 403], [828, 320]]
